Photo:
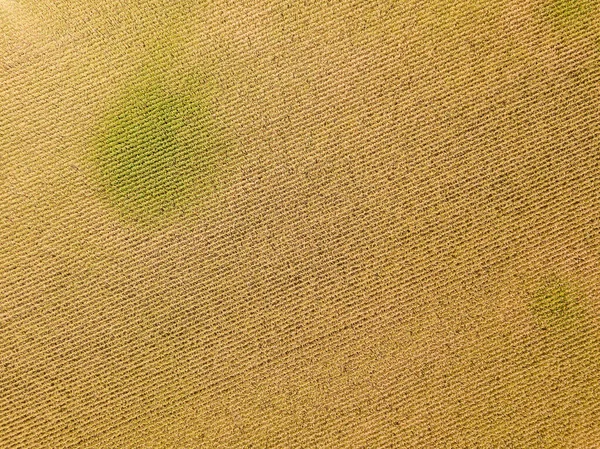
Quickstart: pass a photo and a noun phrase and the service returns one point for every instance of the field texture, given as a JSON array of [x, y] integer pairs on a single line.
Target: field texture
[[299, 224]]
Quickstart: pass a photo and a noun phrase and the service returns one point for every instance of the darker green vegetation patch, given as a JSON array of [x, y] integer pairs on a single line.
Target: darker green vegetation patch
[[555, 303], [569, 12], [157, 153]]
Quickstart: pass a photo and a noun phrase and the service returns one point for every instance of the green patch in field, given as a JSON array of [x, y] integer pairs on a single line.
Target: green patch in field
[[576, 16], [555, 303], [569, 9], [157, 153]]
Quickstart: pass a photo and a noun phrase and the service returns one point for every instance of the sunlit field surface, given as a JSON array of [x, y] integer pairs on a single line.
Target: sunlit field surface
[[277, 224]]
